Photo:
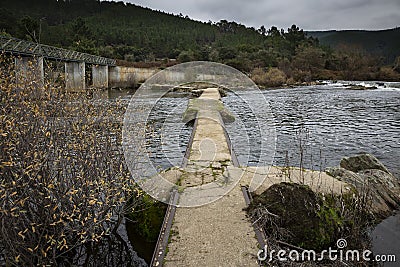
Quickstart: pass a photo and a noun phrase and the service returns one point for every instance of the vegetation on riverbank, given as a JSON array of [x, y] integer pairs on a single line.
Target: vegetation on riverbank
[[294, 214], [147, 216], [147, 38], [64, 182]]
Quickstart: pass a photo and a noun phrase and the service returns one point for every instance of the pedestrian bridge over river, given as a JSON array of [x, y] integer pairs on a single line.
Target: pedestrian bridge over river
[[218, 233], [206, 224], [30, 66]]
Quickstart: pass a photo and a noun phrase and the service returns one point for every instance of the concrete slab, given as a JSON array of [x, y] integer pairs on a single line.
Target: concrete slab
[[218, 233], [215, 230]]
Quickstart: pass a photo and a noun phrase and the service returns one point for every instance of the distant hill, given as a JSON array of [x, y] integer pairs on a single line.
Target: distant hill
[[143, 37], [384, 43], [117, 29]]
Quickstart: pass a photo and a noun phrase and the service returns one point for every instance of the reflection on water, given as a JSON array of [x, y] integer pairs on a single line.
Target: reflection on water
[[142, 247]]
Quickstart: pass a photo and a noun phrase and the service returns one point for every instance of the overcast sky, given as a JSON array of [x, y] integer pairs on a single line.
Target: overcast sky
[[307, 14]]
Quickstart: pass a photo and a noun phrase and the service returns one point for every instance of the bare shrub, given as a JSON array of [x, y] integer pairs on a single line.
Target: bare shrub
[[258, 76], [272, 78], [388, 74], [63, 181], [275, 77]]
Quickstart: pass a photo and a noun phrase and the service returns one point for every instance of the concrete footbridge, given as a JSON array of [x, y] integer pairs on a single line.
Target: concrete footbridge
[[218, 233], [207, 225], [30, 57], [207, 190]]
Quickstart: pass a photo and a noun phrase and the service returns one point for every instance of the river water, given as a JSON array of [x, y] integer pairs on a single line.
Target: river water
[[331, 121], [316, 126]]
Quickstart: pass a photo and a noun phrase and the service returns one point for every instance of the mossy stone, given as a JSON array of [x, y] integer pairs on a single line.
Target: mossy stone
[[148, 218], [311, 222]]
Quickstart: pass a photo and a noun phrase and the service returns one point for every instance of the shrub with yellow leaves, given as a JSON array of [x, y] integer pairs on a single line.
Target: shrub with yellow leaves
[[63, 181]]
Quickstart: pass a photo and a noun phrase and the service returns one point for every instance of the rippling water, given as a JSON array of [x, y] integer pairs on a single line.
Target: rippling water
[[168, 136], [330, 121]]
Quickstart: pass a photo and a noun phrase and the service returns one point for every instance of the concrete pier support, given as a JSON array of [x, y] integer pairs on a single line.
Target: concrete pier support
[[29, 70], [75, 76], [100, 76], [119, 78]]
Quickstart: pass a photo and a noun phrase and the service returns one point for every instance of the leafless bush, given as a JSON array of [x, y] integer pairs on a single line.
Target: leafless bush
[[63, 182], [273, 77]]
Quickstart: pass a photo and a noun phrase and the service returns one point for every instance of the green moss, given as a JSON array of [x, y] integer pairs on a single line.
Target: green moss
[[181, 189], [330, 224], [148, 217], [183, 176], [310, 220]]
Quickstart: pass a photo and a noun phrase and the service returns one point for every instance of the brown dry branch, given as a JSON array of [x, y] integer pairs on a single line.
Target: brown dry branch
[[63, 180]]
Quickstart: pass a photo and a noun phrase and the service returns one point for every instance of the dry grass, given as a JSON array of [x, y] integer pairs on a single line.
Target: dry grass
[[273, 77], [296, 221]]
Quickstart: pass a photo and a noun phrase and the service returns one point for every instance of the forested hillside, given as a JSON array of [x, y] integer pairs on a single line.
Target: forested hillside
[[119, 30], [143, 36], [384, 43]]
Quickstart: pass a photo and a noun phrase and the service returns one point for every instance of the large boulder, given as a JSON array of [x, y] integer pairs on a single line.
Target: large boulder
[[372, 179], [295, 213], [362, 162]]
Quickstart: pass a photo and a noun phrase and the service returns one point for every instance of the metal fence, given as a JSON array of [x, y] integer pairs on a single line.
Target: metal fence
[[22, 47]]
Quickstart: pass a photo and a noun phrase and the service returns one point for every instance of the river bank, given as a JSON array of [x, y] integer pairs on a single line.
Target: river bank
[[348, 210]]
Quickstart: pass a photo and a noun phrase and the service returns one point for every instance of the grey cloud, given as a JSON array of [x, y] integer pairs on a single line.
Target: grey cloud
[[307, 14]]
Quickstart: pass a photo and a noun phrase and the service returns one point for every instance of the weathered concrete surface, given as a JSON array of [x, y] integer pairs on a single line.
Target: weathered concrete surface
[[100, 76], [205, 174], [267, 176], [126, 77], [28, 70], [75, 76], [218, 233], [209, 152], [195, 105]]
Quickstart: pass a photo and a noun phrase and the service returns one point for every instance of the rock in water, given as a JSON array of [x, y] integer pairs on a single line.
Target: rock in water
[[362, 162], [370, 177]]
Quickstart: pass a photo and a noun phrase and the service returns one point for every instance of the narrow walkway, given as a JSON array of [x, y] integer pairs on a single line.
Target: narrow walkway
[[217, 233], [214, 229]]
